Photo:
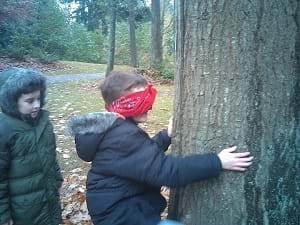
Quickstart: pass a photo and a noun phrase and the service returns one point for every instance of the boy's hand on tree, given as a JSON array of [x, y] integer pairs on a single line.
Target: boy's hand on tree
[[170, 127], [232, 160]]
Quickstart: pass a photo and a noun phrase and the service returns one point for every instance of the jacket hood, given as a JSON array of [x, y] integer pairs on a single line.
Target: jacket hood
[[89, 131], [91, 123], [17, 81]]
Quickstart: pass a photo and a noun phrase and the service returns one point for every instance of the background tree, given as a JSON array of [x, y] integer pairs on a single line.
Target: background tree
[[132, 37], [92, 13], [136, 42], [13, 10], [168, 44], [32, 27], [85, 46], [77, 30], [96, 12], [11, 14], [131, 11], [237, 83], [47, 31], [112, 36], [156, 38]]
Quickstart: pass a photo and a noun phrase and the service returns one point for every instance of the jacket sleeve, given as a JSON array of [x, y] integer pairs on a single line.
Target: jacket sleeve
[[141, 159], [4, 196], [59, 176], [162, 140], [87, 145]]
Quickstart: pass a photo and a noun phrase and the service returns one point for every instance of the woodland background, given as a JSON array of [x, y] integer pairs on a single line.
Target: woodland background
[[94, 31], [236, 70]]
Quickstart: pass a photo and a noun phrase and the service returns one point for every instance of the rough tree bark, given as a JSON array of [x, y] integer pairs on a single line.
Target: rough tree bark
[[237, 83]]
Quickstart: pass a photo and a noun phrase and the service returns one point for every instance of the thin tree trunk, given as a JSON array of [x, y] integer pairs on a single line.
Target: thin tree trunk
[[156, 38], [162, 13], [237, 83], [132, 37], [162, 24], [112, 40]]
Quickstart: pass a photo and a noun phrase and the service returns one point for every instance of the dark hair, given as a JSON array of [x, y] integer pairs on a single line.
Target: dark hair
[[17, 81], [119, 83]]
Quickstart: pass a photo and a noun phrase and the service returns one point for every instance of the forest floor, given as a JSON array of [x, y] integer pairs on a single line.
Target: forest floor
[[67, 97]]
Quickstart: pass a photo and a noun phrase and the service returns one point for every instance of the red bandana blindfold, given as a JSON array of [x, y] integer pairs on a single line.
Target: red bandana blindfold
[[134, 104]]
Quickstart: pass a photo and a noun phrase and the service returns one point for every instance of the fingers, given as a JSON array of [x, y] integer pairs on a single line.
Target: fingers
[[245, 159], [242, 169], [232, 149], [241, 154], [243, 164]]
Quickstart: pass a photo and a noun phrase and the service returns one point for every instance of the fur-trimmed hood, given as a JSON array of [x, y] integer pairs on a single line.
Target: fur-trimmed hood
[[17, 81], [89, 131], [91, 123]]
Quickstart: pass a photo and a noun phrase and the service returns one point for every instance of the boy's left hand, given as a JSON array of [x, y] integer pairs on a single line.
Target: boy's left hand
[[232, 160]]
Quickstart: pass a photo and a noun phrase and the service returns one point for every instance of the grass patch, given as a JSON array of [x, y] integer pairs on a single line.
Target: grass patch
[[72, 67], [80, 97]]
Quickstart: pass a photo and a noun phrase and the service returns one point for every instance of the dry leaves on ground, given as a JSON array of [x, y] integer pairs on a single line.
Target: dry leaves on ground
[[6, 62], [73, 200]]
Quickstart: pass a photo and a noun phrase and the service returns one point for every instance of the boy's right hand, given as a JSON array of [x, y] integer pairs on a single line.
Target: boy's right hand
[[237, 161]]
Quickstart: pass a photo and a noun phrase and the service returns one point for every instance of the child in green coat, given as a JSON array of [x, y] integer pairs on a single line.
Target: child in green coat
[[30, 176]]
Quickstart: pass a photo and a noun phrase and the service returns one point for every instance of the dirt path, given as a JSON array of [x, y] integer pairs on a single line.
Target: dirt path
[[73, 77]]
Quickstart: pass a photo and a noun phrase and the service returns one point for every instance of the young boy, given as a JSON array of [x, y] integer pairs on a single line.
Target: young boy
[[128, 167], [30, 177]]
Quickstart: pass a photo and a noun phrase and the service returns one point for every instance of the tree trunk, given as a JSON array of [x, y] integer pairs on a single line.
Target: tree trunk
[[132, 37], [162, 15], [112, 38], [90, 17], [237, 83], [156, 39]]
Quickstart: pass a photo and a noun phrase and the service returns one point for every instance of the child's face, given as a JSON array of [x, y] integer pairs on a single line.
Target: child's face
[[29, 104], [143, 117]]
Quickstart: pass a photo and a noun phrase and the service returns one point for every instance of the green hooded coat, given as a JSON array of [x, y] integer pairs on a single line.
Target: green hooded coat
[[30, 176]]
